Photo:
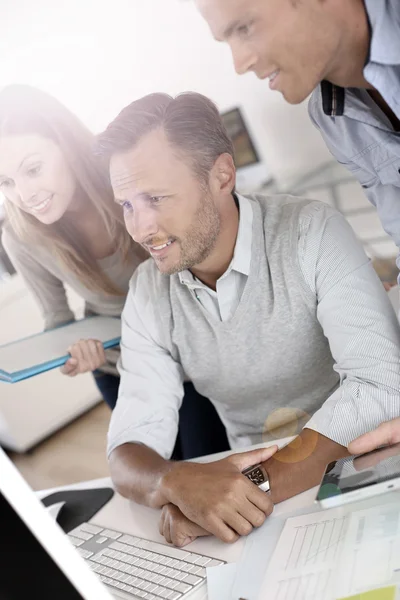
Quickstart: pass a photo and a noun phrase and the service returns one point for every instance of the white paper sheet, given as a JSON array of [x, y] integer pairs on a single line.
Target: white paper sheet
[[304, 562], [371, 553], [336, 553], [220, 581], [261, 544]]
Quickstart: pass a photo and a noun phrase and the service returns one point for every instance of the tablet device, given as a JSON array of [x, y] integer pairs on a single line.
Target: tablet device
[[359, 477]]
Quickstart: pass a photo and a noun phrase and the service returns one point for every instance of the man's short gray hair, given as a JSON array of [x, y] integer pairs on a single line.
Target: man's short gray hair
[[191, 122]]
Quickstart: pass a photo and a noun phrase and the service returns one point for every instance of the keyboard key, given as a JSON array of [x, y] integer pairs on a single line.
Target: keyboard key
[[84, 553], [91, 528], [191, 558], [75, 541], [195, 570], [183, 587], [174, 573], [130, 539], [82, 535], [165, 593], [101, 540], [164, 550], [192, 580], [183, 566], [117, 546], [174, 563], [114, 535], [112, 583], [214, 563], [202, 561]]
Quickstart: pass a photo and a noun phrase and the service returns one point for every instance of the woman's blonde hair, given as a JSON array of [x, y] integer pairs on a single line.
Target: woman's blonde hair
[[26, 110]]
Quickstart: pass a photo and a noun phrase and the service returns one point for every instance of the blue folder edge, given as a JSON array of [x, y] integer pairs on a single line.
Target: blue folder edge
[[47, 366], [27, 337]]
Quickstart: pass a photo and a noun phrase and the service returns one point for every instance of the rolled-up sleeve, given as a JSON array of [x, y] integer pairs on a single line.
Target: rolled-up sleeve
[[151, 388], [359, 323]]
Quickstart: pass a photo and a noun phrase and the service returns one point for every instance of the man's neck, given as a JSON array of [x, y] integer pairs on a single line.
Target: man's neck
[[216, 264], [352, 55]]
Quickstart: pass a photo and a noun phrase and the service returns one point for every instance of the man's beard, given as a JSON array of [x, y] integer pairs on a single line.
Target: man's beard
[[200, 239]]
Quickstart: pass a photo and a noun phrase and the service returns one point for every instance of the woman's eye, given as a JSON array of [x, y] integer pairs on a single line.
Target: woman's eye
[[156, 199], [5, 183], [33, 171], [127, 206]]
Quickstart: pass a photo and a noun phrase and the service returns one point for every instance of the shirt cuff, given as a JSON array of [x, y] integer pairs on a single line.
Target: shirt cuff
[[351, 411], [149, 436]]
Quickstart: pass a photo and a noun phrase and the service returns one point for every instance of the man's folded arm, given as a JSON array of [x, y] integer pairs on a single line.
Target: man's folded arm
[[144, 423]]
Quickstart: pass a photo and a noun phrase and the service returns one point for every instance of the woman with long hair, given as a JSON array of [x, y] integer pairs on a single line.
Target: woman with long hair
[[63, 228]]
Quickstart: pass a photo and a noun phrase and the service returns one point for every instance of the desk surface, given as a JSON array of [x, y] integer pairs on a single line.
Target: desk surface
[[127, 516]]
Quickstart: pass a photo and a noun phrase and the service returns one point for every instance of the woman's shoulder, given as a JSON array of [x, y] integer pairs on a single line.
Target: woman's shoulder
[[20, 249]]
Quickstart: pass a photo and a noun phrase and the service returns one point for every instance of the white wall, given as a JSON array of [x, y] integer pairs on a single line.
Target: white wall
[[97, 56]]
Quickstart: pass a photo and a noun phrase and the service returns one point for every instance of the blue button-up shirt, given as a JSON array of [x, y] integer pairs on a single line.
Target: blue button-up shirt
[[357, 131]]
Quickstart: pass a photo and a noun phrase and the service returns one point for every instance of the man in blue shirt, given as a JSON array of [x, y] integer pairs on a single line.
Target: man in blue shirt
[[347, 55]]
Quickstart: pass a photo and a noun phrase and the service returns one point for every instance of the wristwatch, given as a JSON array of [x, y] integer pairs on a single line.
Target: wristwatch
[[259, 476]]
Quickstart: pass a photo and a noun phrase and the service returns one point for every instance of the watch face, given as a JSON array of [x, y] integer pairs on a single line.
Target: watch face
[[255, 474]]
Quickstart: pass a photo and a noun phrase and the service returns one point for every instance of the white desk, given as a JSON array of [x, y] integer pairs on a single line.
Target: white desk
[[127, 516]]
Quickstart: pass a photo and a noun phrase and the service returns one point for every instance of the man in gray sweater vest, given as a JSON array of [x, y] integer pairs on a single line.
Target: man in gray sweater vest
[[268, 304]]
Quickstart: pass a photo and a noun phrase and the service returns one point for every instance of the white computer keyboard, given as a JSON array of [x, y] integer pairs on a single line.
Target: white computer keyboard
[[140, 568]]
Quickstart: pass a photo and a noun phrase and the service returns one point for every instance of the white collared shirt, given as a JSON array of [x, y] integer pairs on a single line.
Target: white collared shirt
[[223, 302]]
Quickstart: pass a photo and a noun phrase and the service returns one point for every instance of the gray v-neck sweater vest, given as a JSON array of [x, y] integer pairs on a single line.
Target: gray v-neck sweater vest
[[270, 363]]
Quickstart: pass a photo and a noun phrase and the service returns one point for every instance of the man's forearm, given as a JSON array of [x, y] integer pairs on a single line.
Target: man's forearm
[[300, 465], [137, 473]]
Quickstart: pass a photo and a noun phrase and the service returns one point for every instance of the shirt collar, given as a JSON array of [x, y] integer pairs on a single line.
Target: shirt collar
[[242, 254], [384, 17]]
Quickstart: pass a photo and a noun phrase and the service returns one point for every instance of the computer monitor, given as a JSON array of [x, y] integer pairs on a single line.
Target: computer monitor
[[37, 560], [251, 171]]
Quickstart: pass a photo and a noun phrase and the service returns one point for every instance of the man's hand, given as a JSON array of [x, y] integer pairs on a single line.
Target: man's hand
[[218, 497], [177, 529], [86, 355], [386, 434]]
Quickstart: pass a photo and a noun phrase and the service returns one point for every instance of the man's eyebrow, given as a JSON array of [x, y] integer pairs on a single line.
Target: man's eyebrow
[[229, 30]]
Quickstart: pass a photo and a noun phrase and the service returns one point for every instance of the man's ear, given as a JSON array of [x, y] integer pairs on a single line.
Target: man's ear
[[223, 174]]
